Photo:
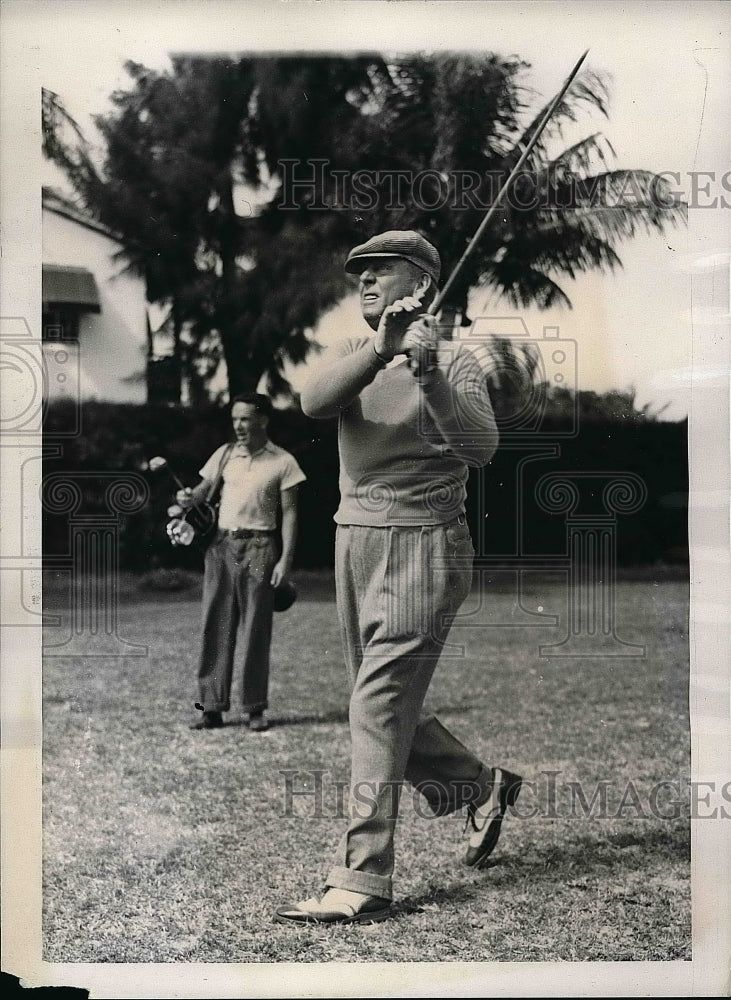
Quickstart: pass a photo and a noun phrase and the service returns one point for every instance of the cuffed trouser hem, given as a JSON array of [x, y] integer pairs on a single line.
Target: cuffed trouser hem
[[357, 881]]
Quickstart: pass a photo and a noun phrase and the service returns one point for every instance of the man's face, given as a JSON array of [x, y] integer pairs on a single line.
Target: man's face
[[382, 282], [249, 425]]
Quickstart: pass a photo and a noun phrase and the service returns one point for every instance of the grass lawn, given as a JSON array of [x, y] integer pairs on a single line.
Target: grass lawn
[[163, 844]]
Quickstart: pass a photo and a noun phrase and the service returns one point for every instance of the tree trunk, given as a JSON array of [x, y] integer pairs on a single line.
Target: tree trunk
[[177, 353], [150, 338], [242, 376]]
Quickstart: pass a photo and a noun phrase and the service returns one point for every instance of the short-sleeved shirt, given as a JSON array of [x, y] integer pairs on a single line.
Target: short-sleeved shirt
[[252, 485]]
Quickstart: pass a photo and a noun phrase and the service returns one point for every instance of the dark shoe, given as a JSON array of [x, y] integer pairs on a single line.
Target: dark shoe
[[483, 822], [210, 720], [258, 722], [310, 911]]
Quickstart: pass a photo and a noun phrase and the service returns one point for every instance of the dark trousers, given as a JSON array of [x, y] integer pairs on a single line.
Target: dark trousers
[[238, 604]]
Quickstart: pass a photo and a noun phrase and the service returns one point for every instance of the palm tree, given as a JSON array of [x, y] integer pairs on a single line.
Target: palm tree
[[178, 143], [463, 118]]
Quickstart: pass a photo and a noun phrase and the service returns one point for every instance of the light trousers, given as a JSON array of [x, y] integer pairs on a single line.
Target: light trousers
[[398, 590]]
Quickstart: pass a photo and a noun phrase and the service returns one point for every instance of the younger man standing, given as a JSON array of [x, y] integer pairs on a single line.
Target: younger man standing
[[244, 562]]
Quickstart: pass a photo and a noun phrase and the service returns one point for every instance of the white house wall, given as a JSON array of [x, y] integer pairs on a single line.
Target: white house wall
[[112, 343]]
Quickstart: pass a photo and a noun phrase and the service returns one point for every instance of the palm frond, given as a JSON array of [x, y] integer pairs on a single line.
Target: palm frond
[[580, 157], [588, 89], [616, 203], [523, 285]]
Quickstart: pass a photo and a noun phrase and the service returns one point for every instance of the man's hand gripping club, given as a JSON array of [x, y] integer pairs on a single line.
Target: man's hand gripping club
[[405, 329]]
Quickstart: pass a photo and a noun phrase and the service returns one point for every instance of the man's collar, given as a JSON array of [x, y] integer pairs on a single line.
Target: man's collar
[[241, 448]]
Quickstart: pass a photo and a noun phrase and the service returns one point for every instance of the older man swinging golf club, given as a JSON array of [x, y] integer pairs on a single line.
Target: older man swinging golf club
[[413, 414]]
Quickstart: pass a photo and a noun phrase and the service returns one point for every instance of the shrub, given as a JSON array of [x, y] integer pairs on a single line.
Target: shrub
[[121, 437]]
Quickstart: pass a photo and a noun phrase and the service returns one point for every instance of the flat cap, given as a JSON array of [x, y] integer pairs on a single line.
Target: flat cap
[[403, 243]]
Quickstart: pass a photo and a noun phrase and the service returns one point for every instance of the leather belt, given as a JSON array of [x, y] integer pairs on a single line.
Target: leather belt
[[245, 532]]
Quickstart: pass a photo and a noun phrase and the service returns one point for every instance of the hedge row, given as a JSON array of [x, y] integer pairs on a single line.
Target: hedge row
[[506, 517]]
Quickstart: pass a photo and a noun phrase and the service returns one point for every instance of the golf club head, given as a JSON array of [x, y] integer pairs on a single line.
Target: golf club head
[[157, 463], [180, 532]]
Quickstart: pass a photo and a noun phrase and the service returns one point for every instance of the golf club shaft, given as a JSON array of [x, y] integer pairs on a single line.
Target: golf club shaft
[[177, 481], [181, 486], [436, 304]]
